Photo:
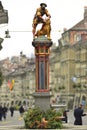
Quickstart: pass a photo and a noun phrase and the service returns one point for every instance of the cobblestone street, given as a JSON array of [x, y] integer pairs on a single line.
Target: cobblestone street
[[12, 121], [16, 123]]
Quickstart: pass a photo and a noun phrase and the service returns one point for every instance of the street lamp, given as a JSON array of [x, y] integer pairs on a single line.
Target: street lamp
[[7, 34]]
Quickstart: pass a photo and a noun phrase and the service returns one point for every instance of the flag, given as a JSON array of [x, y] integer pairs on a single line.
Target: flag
[[10, 84]]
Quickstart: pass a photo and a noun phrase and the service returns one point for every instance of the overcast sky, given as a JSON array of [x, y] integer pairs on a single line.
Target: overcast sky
[[64, 14]]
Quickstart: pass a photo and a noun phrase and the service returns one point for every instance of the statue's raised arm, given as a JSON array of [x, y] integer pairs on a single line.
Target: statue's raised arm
[[38, 18]]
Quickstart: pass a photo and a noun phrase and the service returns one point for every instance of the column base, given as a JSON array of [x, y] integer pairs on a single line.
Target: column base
[[42, 100]]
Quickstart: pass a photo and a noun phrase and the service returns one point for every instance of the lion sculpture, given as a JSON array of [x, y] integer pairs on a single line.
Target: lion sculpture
[[45, 29]]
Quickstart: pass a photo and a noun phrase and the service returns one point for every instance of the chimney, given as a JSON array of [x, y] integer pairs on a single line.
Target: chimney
[[85, 12]]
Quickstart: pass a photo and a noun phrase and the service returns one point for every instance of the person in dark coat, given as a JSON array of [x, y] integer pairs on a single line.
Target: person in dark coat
[[78, 113], [1, 112], [65, 116], [21, 110], [4, 109], [12, 111]]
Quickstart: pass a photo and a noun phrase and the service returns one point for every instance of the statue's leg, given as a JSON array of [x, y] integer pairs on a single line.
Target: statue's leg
[[34, 27], [48, 32], [48, 35], [33, 31]]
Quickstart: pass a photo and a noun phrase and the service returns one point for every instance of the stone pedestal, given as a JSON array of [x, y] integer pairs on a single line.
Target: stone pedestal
[[42, 100]]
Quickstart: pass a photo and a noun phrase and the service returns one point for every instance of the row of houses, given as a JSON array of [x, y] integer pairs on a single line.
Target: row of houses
[[21, 70], [71, 62]]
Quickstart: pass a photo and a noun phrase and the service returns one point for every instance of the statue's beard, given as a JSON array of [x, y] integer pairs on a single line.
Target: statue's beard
[[43, 8]]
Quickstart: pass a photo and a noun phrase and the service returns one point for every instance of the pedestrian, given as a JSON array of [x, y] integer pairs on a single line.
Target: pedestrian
[[12, 111], [4, 112], [65, 116], [21, 110], [1, 112], [78, 113]]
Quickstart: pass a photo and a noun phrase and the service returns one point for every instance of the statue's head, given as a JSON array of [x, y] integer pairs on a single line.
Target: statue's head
[[43, 5]]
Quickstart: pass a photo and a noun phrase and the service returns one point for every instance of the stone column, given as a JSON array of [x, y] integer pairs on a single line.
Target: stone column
[[42, 93]]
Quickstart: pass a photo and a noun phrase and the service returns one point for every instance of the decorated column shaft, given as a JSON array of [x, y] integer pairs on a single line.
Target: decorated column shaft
[[42, 50]]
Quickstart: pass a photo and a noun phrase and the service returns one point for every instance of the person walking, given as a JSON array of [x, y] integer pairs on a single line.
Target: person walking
[[78, 113], [1, 112], [65, 116], [21, 110], [4, 112], [12, 111]]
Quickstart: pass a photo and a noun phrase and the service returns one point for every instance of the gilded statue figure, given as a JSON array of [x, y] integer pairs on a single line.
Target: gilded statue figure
[[38, 19]]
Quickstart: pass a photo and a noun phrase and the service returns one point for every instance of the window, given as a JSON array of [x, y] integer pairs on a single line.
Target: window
[[78, 37]]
